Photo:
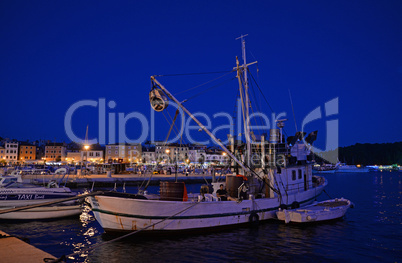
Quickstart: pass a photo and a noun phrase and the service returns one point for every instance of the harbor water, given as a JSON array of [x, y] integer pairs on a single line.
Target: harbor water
[[370, 232]]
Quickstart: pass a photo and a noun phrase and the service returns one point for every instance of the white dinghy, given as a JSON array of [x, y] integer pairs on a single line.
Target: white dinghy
[[322, 211]]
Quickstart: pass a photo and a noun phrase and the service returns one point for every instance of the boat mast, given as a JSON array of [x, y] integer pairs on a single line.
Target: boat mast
[[246, 100]]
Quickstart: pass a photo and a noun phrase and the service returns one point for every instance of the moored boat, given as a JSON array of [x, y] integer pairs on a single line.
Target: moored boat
[[345, 168], [16, 193], [44, 212], [324, 169], [278, 175], [322, 211]]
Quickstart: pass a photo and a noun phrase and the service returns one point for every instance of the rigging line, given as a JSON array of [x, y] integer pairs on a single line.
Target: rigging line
[[196, 73], [164, 144], [174, 124], [293, 110], [249, 102], [126, 235], [171, 124], [265, 99], [156, 166], [235, 114], [228, 72], [213, 87], [258, 110]]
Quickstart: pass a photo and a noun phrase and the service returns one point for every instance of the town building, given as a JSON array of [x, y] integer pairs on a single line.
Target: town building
[[148, 155], [2, 154], [73, 157], [170, 153], [27, 152], [216, 155], [197, 153], [94, 154], [40, 149], [123, 153], [11, 151], [55, 152]]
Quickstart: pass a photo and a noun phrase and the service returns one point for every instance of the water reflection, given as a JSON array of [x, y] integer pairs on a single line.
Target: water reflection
[[370, 232]]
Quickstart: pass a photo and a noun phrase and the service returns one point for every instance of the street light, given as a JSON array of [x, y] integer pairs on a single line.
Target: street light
[[224, 157], [167, 152], [86, 147]]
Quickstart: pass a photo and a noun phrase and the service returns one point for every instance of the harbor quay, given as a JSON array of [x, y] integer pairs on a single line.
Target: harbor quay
[[13, 249], [118, 180]]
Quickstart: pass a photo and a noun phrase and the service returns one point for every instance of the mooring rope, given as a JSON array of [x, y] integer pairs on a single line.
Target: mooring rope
[[19, 208], [64, 257], [327, 194]]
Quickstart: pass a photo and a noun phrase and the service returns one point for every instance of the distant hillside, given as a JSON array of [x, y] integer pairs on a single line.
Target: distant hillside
[[366, 154]]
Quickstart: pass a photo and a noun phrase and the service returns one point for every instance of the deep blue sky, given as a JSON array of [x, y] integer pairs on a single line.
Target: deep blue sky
[[56, 53]]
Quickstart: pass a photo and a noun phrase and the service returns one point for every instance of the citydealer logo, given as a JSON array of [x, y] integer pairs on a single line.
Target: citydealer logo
[[185, 127], [331, 108]]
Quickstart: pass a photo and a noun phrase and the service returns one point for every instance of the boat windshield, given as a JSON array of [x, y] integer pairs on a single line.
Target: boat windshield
[[7, 180]]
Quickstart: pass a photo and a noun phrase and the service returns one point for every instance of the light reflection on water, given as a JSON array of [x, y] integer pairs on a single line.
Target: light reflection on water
[[371, 232]]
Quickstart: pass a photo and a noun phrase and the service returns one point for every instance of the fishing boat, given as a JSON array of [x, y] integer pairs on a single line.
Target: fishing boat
[[281, 177], [40, 213], [322, 211]]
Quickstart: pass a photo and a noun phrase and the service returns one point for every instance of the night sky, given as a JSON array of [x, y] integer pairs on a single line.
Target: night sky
[[57, 53]]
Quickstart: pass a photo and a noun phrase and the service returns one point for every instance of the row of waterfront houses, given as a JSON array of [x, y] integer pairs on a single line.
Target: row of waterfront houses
[[40, 152]]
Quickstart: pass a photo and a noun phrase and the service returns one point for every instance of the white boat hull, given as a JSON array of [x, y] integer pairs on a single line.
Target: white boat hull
[[125, 214], [315, 212], [21, 194], [46, 212]]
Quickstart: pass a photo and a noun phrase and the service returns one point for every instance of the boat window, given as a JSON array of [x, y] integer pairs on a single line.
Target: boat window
[[293, 175], [300, 174]]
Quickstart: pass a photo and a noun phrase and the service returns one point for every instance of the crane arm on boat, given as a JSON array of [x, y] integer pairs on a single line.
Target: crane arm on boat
[[242, 165], [199, 123]]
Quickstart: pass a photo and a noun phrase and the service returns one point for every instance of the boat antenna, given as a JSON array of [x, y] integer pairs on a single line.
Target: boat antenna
[[293, 110]]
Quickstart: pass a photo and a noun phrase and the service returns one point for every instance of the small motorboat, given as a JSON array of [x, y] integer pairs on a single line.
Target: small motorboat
[[322, 211], [14, 193]]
